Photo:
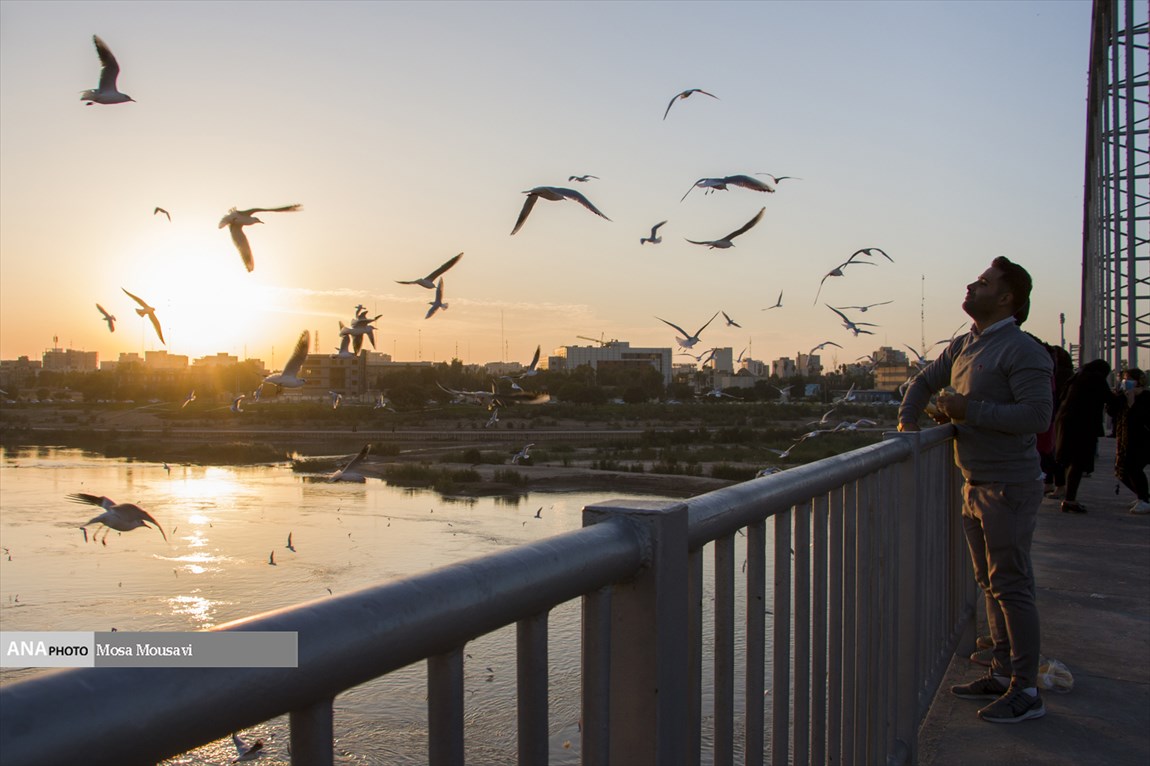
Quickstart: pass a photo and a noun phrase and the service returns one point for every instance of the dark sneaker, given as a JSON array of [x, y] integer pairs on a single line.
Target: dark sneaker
[[1070, 506], [982, 657], [1013, 707], [986, 688], [984, 642]]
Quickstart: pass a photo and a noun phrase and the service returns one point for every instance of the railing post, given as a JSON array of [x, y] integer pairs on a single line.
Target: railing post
[[648, 617], [910, 504]]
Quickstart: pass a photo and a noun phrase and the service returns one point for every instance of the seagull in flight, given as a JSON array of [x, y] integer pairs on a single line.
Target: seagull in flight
[[861, 308], [159, 210], [721, 184], [837, 271], [122, 517], [823, 345], [236, 220], [111, 320], [521, 454], [730, 322], [870, 251], [582, 179], [289, 546], [336, 398], [855, 327], [553, 194], [189, 399], [237, 405], [654, 239], [438, 303], [778, 303], [493, 419], [106, 92], [775, 179], [243, 751], [726, 242], [688, 340], [429, 281], [349, 472], [344, 351], [149, 312], [289, 376], [685, 94]]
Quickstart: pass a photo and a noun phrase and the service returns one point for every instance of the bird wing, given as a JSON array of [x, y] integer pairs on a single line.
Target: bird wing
[[704, 327], [284, 209], [705, 93], [134, 510], [748, 225], [535, 359], [355, 461], [692, 187], [655, 228], [298, 354], [748, 182], [431, 277], [241, 241], [107, 316], [868, 251], [84, 497], [694, 242], [161, 210], [672, 103], [677, 327], [526, 211], [137, 299], [841, 314], [111, 68], [156, 324], [574, 195]]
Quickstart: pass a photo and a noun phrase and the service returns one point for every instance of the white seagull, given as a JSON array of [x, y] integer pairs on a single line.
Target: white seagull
[[688, 340], [552, 194], [289, 376], [237, 405], [871, 251], [778, 303], [236, 220], [336, 398], [429, 280], [189, 399], [654, 239], [582, 179], [862, 308], [822, 345], [149, 312], [521, 455], [725, 242], [243, 751], [344, 350], [122, 517], [685, 94], [348, 472], [106, 92], [730, 322], [159, 210], [438, 303], [493, 419], [721, 184], [111, 320], [854, 327], [837, 271]]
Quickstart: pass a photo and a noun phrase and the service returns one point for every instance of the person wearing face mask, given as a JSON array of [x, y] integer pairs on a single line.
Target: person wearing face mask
[[1131, 412]]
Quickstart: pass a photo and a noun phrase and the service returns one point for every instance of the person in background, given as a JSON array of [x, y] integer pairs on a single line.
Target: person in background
[[1002, 398], [1130, 409], [1078, 425]]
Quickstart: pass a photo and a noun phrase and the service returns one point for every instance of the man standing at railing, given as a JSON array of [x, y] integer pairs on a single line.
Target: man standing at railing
[[1001, 398]]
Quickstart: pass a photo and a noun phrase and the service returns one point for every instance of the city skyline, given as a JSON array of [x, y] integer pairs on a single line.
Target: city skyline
[[943, 133]]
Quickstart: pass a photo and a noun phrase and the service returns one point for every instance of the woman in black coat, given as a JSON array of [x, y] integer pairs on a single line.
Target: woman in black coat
[[1131, 410], [1078, 426]]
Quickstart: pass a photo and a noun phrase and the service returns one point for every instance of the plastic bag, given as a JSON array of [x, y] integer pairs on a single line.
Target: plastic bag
[[1054, 675]]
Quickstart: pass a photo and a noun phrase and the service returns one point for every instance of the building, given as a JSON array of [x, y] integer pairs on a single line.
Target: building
[[614, 353], [162, 361], [70, 360], [19, 373], [218, 360], [756, 367], [784, 368]]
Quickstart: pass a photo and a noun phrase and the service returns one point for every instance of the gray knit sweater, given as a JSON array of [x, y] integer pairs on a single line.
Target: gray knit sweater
[[1005, 376]]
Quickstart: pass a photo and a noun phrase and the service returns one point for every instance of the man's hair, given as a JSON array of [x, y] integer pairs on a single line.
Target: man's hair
[[1018, 283], [1134, 373]]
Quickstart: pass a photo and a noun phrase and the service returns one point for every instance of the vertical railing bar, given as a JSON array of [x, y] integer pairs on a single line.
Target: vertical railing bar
[[695, 656], [862, 612], [531, 681], [819, 633], [802, 661], [724, 621], [867, 692], [756, 642], [849, 652], [889, 618], [835, 629], [313, 734], [781, 651], [445, 708], [596, 704]]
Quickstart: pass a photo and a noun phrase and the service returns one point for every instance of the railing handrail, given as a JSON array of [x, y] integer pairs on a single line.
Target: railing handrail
[[143, 715]]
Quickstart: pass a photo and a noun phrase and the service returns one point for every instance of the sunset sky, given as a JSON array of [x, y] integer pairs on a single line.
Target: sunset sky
[[945, 133]]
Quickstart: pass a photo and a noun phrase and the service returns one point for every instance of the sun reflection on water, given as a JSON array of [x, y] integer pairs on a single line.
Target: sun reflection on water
[[197, 609]]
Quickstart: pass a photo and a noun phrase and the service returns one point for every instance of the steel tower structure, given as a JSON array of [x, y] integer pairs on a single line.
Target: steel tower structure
[[1116, 259]]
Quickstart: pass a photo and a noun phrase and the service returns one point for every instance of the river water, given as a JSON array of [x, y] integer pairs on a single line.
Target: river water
[[223, 525]]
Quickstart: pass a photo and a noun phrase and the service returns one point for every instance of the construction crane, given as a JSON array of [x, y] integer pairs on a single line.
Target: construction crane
[[600, 340]]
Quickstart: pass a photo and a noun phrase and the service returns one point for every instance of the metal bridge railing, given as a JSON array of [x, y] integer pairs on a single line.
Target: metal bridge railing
[[866, 613]]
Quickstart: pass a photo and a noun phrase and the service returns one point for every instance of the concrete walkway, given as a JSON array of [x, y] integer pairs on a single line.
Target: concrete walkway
[[1093, 580]]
